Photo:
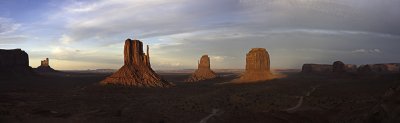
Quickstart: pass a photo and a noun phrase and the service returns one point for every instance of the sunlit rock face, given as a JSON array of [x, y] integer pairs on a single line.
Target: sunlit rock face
[[45, 67], [351, 68], [203, 71], [137, 71], [257, 66], [14, 62]]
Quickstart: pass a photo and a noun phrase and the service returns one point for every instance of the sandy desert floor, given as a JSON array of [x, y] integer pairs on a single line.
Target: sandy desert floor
[[298, 98]]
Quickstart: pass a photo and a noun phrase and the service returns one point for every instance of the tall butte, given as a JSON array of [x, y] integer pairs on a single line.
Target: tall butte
[[14, 63], [137, 71], [257, 66], [203, 71]]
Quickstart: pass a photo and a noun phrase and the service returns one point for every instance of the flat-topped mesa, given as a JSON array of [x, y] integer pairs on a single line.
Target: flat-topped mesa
[[137, 71], [203, 71], [257, 60], [338, 67], [382, 68], [257, 66], [316, 68], [14, 62]]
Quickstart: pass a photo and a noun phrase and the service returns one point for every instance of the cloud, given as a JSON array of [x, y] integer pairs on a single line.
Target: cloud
[[7, 25], [366, 51], [12, 39], [218, 58], [180, 31], [104, 20], [65, 39], [355, 15]]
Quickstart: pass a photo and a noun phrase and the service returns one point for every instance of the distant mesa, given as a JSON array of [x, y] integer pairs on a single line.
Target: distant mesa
[[336, 67], [257, 66], [364, 69], [14, 63], [340, 67], [351, 68], [316, 68], [380, 68], [203, 71], [45, 67], [137, 71]]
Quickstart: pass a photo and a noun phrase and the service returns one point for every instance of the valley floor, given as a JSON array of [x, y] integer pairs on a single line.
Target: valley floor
[[77, 98]]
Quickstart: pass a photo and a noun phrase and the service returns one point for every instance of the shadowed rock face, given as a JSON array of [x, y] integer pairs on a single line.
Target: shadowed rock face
[[364, 69], [137, 71], [380, 68], [14, 63], [316, 68], [387, 110], [45, 67], [351, 68], [339, 67], [257, 66], [203, 71]]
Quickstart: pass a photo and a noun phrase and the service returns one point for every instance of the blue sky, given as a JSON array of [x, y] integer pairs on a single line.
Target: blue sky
[[89, 34]]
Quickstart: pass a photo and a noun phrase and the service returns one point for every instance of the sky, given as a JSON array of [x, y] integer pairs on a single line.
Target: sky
[[89, 34]]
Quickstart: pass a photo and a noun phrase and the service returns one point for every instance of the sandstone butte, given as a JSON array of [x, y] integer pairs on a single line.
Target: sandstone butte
[[45, 66], [136, 71], [257, 66], [203, 71], [14, 62]]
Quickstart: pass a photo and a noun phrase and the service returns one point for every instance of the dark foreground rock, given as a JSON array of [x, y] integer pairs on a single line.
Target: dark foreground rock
[[45, 67], [14, 63]]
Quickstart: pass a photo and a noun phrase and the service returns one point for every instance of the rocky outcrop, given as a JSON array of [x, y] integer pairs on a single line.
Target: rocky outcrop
[[45, 67], [14, 63], [386, 68], [137, 71], [393, 67], [351, 68], [203, 71], [257, 66], [380, 68], [388, 108], [364, 69], [338, 67], [316, 68]]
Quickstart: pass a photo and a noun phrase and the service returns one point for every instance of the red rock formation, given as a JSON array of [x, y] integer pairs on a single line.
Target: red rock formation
[[14, 63], [365, 69], [338, 67], [257, 66], [380, 68], [351, 68], [203, 71], [45, 67], [137, 71]]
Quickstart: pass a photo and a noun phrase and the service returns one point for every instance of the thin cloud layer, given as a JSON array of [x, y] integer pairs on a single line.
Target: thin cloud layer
[[180, 31]]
